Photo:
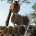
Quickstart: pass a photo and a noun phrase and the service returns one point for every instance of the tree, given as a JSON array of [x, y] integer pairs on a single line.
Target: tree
[[25, 1], [34, 14], [2, 0], [9, 1], [34, 7]]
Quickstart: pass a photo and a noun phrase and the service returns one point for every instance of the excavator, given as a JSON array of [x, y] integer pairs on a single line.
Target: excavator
[[14, 8], [16, 18]]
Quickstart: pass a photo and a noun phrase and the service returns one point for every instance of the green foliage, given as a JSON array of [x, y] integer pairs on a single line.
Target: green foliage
[[34, 6], [34, 17], [34, 14], [9, 1], [25, 1]]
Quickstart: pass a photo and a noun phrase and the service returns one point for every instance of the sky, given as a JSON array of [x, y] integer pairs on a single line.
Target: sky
[[33, 1], [4, 10]]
